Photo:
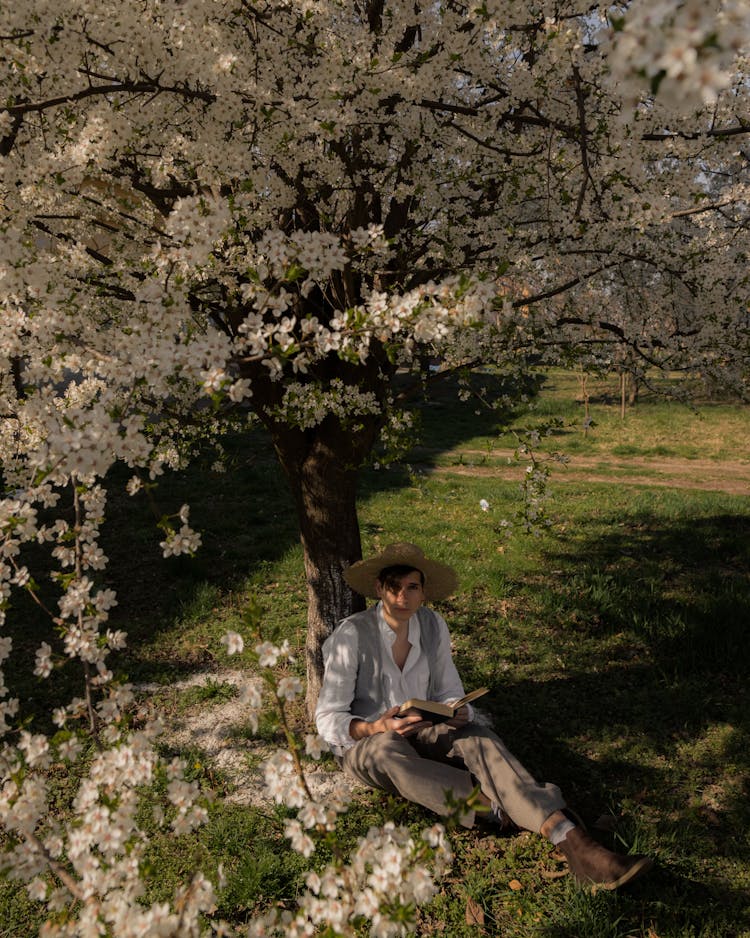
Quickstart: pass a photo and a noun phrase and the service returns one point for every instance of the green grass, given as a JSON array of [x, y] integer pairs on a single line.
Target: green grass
[[704, 429], [252, 851], [650, 429], [615, 647]]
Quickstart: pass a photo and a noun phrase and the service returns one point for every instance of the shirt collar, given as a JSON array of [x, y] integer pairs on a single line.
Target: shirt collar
[[389, 636]]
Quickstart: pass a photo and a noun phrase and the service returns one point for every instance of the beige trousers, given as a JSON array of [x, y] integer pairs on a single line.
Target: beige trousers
[[423, 767]]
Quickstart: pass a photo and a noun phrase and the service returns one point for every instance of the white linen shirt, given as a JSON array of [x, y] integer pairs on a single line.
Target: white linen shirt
[[333, 715]]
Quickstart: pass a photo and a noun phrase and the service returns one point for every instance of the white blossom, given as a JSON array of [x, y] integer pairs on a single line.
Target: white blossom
[[184, 541], [234, 643], [43, 666], [134, 485], [289, 688], [269, 654], [301, 842], [315, 745]]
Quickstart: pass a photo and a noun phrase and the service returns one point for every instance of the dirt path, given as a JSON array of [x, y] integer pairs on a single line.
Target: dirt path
[[705, 474]]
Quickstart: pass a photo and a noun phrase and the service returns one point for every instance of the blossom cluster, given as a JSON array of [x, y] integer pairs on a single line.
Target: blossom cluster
[[133, 290], [183, 540], [306, 406], [388, 874], [685, 51], [428, 315], [87, 868]]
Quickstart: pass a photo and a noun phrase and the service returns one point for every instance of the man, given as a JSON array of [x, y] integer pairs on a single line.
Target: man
[[398, 650]]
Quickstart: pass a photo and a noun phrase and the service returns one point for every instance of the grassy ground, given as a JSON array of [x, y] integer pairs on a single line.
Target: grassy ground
[[614, 646]]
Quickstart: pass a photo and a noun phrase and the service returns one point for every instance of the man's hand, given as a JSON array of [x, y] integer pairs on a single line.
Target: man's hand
[[406, 725], [460, 719]]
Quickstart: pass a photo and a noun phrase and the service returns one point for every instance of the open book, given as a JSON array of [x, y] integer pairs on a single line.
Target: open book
[[440, 712]]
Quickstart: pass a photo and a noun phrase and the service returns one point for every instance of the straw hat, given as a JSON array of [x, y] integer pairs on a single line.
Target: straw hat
[[440, 580]]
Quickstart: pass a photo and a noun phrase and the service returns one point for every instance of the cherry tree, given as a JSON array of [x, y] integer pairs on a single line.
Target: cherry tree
[[279, 205]]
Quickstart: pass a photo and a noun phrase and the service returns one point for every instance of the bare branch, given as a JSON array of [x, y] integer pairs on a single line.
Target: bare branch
[[503, 151], [699, 211], [72, 885], [563, 287], [452, 108]]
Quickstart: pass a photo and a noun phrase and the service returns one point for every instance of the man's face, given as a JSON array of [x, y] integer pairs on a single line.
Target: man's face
[[401, 602]]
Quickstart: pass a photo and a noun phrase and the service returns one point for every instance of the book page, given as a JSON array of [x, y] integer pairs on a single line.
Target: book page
[[433, 706], [473, 695]]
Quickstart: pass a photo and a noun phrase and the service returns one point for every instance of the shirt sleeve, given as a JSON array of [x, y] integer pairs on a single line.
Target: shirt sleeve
[[333, 714]]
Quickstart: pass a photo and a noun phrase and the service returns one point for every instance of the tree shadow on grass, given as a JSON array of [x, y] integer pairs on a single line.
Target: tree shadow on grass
[[246, 523], [654, 726], [663, 903], [448, 413]]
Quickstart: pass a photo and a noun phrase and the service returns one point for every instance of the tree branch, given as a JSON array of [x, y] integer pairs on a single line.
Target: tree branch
[[699, 211], [583, 141], [743, 128], [563, 287], [73, 887], [503, 151], [452, 108], [136, 87]]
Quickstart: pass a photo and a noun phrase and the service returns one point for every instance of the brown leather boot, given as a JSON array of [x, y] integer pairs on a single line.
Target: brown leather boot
[[593, 865]]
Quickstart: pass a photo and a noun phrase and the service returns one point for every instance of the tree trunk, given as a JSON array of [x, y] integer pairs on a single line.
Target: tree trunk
[[634, 387], [322, 468]]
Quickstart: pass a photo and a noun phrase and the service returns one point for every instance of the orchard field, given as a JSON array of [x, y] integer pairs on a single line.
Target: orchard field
[[302, 216]]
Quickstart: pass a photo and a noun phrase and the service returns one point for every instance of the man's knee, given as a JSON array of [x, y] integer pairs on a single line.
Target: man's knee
[[479, 742], [476, 731], [377, 749], [390, 742]]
